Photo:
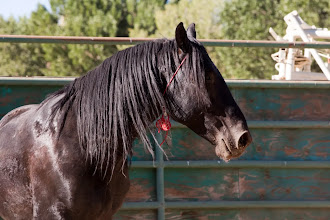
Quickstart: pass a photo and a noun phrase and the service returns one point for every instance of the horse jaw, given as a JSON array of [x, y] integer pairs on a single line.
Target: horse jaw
[[222, 151]]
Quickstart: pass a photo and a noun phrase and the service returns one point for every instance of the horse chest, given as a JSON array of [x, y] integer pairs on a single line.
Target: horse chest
[[96, 198]]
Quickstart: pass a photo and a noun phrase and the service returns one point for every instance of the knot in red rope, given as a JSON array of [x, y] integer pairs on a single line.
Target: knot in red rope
[[163, 124]]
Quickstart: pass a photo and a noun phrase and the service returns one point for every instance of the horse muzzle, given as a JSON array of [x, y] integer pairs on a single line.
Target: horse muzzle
[[232, 146]]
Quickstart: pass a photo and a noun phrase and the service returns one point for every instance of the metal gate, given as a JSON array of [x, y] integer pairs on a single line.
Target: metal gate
[[284, 174]]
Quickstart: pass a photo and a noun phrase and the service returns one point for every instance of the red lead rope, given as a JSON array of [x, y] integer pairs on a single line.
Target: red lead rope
[[176, 72], [164, 122]]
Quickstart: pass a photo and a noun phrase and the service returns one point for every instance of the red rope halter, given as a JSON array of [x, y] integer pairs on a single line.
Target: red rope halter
[[164, 123]]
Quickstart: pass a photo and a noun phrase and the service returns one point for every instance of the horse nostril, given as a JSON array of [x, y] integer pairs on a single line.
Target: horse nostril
[[244, 140]]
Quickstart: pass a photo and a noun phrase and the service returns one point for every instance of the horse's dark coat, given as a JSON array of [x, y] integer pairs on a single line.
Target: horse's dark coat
[[67, 157]]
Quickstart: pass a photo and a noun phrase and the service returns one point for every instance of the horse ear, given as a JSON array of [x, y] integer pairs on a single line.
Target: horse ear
[[181, 38], [191, 32]]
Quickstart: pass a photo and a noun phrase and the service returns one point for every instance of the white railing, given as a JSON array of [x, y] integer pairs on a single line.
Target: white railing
[[295, 64]]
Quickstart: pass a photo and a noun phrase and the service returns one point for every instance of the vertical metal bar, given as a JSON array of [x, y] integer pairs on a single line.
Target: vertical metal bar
[[289, 63], [160, 184]]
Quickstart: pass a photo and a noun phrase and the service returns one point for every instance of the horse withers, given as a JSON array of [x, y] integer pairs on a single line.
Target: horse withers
[[68, 157]]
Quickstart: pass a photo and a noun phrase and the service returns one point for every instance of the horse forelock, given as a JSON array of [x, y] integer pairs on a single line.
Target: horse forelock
[[121, 97]]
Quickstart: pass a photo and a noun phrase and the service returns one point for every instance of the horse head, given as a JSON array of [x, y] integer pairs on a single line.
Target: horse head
[[200, 99]]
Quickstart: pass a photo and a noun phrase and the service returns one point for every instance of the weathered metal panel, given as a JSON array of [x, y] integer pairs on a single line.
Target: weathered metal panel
[[139, 153], [201, 184], [289, 144], [13, 96], [143, 185], [246, 184], [268, 104], [248, 214], [136, 215], [284, 173], [284, 184], [268, 144]]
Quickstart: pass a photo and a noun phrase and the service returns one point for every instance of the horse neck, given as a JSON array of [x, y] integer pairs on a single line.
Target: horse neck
[[116, 102]]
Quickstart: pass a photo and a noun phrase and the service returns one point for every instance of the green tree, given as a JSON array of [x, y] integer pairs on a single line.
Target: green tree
[[19, 59], [96, 18], [142, 16], [68, 18], [205, 13]]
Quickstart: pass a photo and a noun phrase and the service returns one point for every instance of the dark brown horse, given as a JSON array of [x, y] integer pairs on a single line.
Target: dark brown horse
[[68, 157]]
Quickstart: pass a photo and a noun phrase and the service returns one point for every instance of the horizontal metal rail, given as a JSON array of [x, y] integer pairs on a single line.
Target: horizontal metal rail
[[269, 84], [234, 164], [133, 41], [278, 124], [289, 124], [228, 205], [35, 81]]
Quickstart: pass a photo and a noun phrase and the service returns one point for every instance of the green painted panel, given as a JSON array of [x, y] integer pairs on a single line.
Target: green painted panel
[[136, 215], [268, 144], [246, 184], [283, 103], [196, 214], [201, 184], [284, 184], [12, 96], [284, 214], [186, 145], [143, 185], [259, 100], [257, 103], [248, 214], [289, 144], [140, 152]]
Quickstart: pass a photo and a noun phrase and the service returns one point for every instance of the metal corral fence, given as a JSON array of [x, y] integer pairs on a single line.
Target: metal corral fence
[[284, 174], [133, 41]]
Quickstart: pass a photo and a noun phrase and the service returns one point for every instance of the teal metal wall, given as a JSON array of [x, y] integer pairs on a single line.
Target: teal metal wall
[[284, 174]]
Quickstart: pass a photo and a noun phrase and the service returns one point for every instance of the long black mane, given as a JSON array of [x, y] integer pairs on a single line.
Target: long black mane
[[121, 97]]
